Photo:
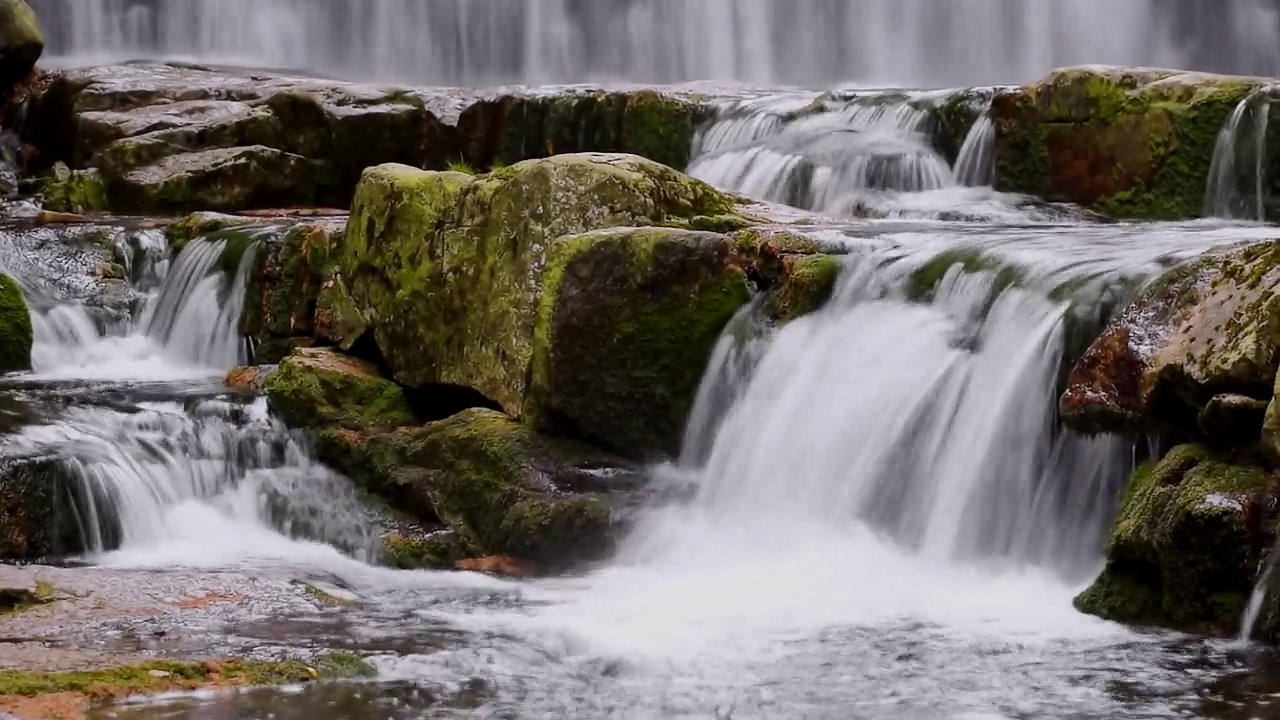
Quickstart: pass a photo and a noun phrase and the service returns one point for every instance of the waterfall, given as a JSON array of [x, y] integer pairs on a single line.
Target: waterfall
[[917, 43], [975, 166], [1237, 184], [919, 405], [828, 155], [188, 321]]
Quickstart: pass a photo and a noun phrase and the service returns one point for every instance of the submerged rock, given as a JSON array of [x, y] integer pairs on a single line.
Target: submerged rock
[[627, 320], [1129, 142], [1182, 553], [503, 488], [316, 388], [1208, 327], [16, 333], [449, 269], [21, 43]]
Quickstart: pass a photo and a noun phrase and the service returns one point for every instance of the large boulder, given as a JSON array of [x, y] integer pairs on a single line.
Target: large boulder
[[1208, 327], [1130, 142], [16, 333], [317, 388], [627, 321], [1184, 549], [500, 487], [215, 179], [448, 269], [20, 43]]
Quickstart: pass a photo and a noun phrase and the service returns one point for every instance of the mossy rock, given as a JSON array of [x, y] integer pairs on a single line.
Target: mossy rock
[[36, 519], [285, 288], [1208, 327], [1182, 554], [448, 267], [16, 333], [186, 228], [21, 43], [628, 320], [438, 550], [74, 191], [316, 388], [501, 487], [807, 284], [1131, 143], [512, 128]]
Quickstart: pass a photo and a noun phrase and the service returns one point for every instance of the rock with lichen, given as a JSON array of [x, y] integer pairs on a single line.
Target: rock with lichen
[[1208, 327], [1129, 142], [1183, 552]]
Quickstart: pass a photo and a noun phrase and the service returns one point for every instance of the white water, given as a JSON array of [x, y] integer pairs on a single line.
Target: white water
[[913, 43], [1237, 185], [188, 324], [872, 154]]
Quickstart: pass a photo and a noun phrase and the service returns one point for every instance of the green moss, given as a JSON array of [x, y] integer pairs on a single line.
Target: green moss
[[627, 321], [484, 487], [1180, 554], [13, 600], [168, 675], [659, 127], [417, 552], [16, 333], [236, 243], [321, 389], [74, 191], [806, 286], [283, 297], [923, 282], [461, 166]]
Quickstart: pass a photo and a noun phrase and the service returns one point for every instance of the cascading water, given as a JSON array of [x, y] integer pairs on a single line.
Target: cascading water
[[1238, 184], [975, 166], [174, 472], [919, 43]]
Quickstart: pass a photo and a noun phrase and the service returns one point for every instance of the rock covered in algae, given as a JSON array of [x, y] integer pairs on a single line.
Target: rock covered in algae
[[35, 518], [501, 487], [286, 286], [1182, 553], [448, 268], [1208, 327], [21, 43], [627, 320], [16, 333], [1129, 142], [319, 389]]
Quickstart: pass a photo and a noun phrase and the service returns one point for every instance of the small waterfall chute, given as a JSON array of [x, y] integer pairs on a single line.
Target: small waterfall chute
[[1238, 183]]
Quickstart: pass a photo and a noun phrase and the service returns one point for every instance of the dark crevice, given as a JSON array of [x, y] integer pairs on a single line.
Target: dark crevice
[[440, 400]]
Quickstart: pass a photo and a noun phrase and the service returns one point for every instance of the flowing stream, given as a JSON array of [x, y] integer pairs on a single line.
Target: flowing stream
[[876, 513]]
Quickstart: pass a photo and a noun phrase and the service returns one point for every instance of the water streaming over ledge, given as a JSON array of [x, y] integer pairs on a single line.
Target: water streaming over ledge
[[1238, 186], [908, 43]]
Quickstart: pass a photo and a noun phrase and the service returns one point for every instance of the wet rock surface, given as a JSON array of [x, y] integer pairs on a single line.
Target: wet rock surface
[[167, 137]]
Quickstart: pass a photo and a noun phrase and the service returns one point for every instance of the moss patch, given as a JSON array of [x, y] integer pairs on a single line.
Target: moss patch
[[16, 333], [627, 322], [315, 388], [1180, 554], [165, 676]]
